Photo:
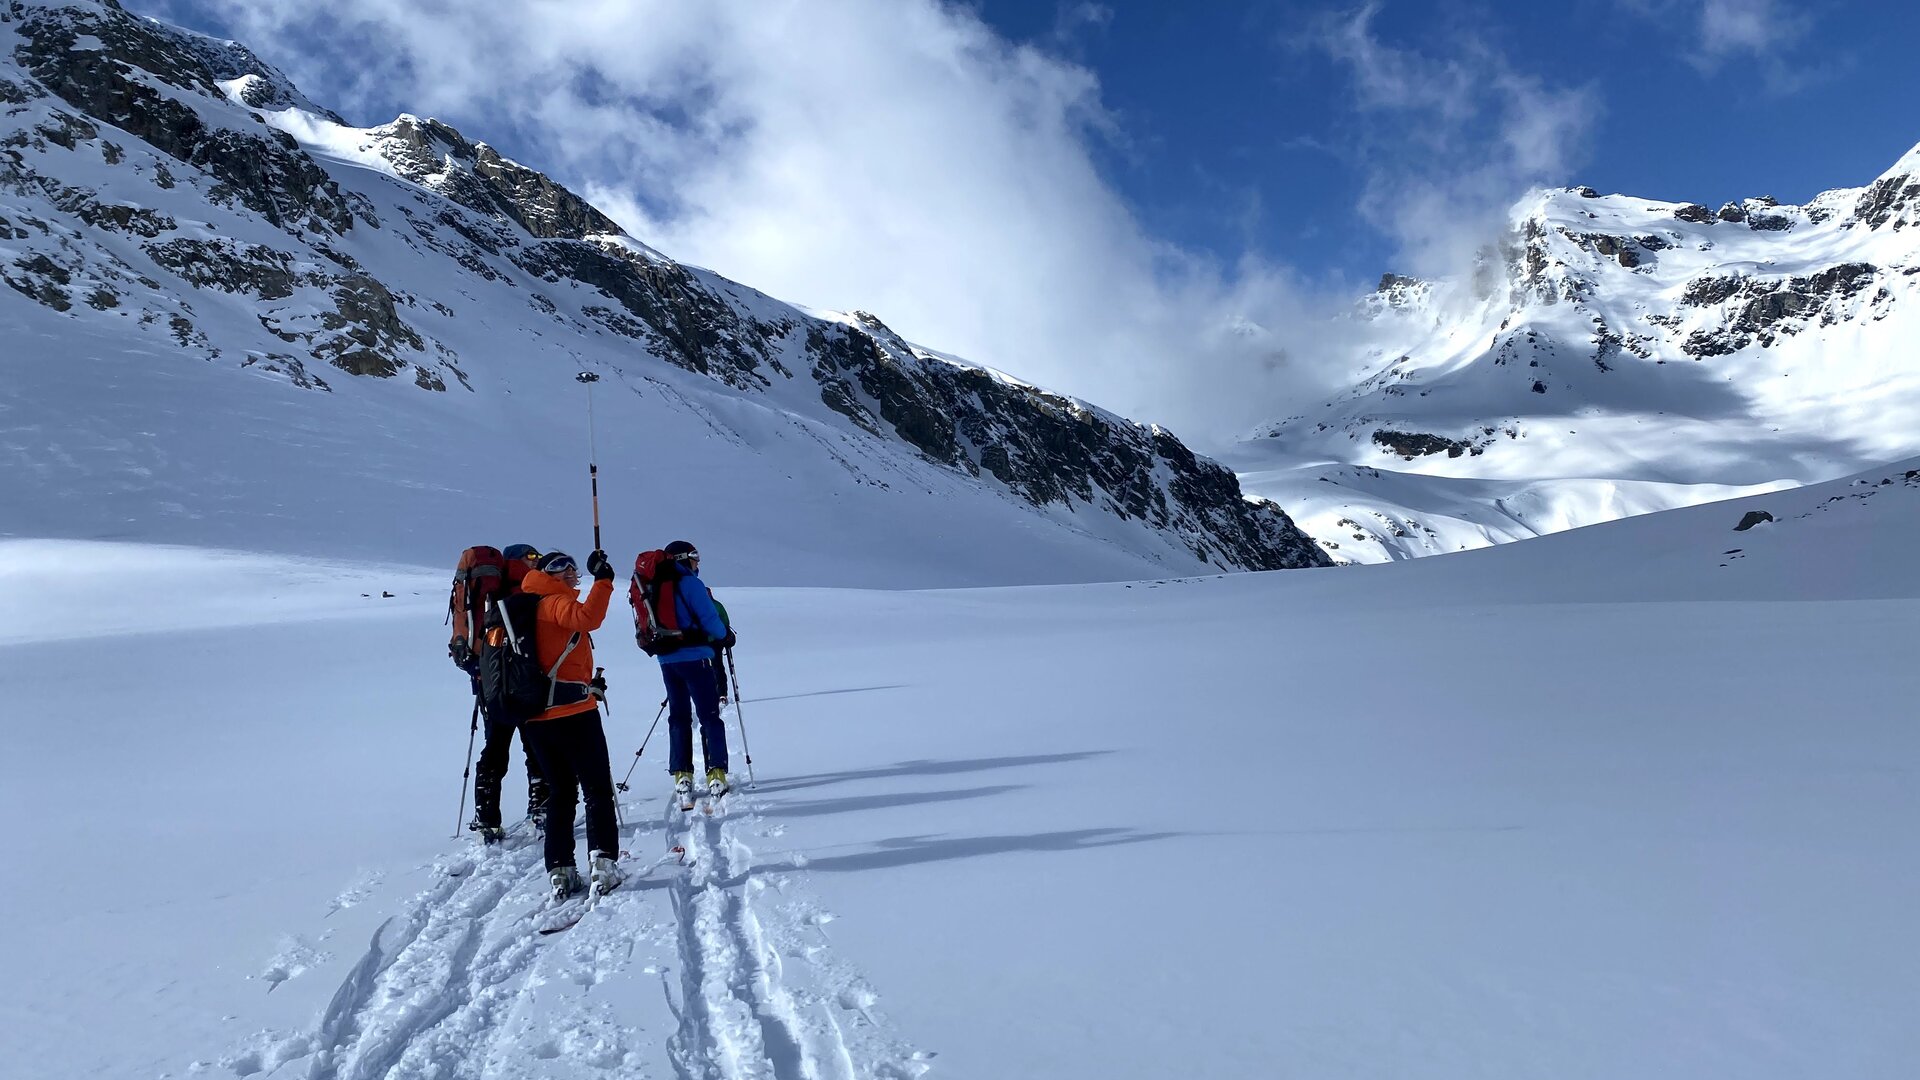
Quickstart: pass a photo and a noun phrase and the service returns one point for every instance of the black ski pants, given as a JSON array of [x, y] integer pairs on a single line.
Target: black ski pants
[[491, 770], [572, 752]]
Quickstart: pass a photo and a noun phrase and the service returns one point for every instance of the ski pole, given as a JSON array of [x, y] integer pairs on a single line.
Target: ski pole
[[593, 453], [622, 785], [739, 717], [473, 729], [599, 674]]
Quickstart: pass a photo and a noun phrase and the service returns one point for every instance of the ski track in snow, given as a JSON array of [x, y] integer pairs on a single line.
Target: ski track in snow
[[444, 989], [761, 995], [434, 979]]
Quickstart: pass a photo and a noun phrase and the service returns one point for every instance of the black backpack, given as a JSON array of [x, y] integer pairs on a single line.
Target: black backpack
[[512, 683]]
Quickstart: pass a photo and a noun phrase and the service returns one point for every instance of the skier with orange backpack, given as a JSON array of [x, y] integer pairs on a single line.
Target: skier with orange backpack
[[484, 577]]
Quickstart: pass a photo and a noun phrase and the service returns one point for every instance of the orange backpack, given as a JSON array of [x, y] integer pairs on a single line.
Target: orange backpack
[[480, 578]]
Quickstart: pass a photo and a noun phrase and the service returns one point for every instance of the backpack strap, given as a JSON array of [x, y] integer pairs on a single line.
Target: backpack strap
[[553, 673], [513, 636]]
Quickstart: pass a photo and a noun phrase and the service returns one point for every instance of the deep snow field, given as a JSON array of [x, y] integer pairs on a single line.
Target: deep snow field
[[1615, 803]]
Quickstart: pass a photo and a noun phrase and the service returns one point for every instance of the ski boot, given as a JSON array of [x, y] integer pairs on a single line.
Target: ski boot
[[683, 789], [490, 835], [717, 783], [537, 804], [565, 881], [603, 874]]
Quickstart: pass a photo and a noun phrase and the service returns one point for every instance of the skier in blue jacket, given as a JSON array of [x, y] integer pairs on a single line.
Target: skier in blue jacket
[[692, 686]]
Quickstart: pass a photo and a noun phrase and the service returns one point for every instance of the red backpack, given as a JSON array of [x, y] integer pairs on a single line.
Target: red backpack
[[653, 592], [481, 577]]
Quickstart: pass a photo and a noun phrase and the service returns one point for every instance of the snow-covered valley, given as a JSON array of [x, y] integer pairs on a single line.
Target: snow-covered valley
[[1632, 800], [1034, 790]]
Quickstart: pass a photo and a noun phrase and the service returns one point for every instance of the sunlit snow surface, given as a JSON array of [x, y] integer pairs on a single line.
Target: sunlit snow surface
[[1630, 801]]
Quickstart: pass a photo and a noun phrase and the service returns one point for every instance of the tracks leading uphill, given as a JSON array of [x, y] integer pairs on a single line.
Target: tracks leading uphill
[[446, 989], [460, 984], [762, 997], [430, 989]]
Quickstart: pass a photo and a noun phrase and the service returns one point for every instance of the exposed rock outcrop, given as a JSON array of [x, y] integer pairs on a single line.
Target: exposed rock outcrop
[[263, 260]]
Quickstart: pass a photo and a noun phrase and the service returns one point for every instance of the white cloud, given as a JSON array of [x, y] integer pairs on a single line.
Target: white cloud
[[1758, 27], [1724, 32], [891, 155], [1450, 136]]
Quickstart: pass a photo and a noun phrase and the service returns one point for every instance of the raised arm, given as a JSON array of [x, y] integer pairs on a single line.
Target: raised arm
[[585, 616]]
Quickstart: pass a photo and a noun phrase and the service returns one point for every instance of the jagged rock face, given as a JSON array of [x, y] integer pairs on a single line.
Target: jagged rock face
[[265, 171], [1413, 444], [1892, 200], [1048, 448], [1769, 308], [211, 209], [434, 155]]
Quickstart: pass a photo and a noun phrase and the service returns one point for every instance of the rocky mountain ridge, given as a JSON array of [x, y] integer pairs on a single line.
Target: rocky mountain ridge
[[180, 195], [1615, 355]]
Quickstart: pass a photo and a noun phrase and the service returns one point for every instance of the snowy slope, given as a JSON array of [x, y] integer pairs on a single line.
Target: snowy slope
[[1615, 356], [233, 320], [1631, 800]]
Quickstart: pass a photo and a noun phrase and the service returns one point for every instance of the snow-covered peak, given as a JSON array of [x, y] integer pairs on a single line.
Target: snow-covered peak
[[1616, 355], [1908, 165], [1398, 292]]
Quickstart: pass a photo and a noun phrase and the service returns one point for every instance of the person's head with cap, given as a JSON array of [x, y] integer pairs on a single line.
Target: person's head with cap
[[561, 565], [522, 559], [684, 553]]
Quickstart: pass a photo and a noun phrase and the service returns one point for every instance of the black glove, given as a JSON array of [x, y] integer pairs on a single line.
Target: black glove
[[599, 567], [730, 640], [462, 654]]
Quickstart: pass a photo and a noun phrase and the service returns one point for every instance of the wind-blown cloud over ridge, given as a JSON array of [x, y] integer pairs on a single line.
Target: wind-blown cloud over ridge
[[1449, 134], [896, 156]]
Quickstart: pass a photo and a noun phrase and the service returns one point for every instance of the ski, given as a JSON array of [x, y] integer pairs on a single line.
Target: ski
[[568, 913], [564, 915]]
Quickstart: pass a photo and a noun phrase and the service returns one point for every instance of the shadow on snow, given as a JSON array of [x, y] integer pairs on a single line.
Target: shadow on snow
[[925, 767]]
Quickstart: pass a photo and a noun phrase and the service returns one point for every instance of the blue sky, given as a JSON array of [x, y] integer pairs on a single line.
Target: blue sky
[[1240, 133], [1105, 197]]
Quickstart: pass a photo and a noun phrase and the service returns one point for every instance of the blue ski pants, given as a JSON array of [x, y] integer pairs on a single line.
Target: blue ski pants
[[692, 691]]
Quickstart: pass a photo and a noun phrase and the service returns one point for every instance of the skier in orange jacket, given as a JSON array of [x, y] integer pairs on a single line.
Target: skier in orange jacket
[[567, 738]]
